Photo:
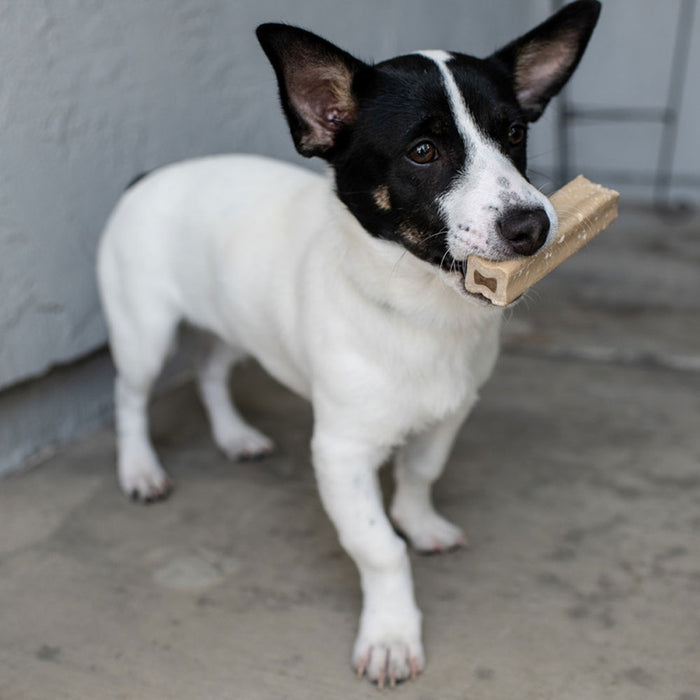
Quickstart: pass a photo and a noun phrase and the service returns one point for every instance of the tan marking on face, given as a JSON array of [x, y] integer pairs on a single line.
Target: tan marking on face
[[410, 233], [381, 198]]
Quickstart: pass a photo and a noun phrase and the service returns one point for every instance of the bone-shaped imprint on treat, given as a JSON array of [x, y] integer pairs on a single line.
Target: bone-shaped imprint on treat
[[584, 209]]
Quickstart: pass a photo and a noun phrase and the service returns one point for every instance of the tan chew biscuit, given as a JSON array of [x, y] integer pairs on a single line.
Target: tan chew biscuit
[[584, 210]]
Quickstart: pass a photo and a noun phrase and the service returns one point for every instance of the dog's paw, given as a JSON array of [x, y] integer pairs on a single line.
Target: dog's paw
[[143, 479], [245, 443], [430, 532], [387, 652]]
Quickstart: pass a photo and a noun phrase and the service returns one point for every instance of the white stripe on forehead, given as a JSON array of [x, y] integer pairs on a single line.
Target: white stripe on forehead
[[463, 120]]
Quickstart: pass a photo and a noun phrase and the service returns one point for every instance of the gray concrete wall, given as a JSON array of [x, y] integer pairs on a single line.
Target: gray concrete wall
[[93, 93]]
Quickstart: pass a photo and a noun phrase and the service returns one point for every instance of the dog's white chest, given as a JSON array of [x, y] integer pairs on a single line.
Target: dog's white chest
[[392, 375], [434, 377]]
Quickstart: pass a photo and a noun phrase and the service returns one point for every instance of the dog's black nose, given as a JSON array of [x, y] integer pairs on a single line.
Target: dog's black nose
[[525, 229]]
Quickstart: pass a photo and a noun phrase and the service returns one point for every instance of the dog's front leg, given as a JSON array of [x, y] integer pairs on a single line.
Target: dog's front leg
[[388, 645], [417, 466]]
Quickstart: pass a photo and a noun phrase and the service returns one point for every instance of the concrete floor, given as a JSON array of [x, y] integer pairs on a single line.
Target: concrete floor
[[577, 480]]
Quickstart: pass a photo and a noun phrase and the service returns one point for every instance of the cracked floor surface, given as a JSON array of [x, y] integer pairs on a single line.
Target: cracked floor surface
[[577, 480]]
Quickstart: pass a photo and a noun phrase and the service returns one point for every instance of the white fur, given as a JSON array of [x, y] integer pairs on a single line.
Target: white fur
[[489, 182], [389, 351]]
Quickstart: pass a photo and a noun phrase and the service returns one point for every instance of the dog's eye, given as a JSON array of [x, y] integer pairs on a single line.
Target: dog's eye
[[516, 134], [423, 152]]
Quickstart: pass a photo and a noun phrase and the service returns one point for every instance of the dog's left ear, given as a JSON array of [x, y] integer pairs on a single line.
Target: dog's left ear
[[542, 60], [316, 85]]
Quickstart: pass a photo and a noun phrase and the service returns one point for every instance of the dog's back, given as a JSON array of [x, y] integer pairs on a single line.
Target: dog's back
[[162, 251], [170, 225]]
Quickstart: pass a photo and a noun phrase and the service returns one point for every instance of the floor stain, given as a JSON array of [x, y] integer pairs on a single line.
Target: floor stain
[[194, 572], [638, 676], [48, 653]]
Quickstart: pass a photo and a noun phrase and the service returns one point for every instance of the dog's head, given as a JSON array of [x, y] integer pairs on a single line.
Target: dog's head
[[429, 149]]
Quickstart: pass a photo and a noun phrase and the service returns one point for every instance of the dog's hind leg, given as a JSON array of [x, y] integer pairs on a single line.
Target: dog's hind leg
[[140, 343], [232, 434], [417, 466]]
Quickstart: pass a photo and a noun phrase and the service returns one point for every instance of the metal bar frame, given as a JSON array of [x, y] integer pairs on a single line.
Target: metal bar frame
[[663, 177]]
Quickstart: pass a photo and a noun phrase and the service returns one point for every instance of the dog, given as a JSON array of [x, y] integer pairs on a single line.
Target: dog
[[347, 288]]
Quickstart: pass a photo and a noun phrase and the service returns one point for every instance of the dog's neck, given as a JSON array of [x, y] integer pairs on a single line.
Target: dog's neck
[[390, 276]]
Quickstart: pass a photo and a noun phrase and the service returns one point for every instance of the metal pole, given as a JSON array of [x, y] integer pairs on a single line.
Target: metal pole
[[669, 134], [563, 141]]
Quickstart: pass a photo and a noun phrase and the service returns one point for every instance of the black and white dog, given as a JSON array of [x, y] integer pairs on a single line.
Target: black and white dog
[[347, 288]]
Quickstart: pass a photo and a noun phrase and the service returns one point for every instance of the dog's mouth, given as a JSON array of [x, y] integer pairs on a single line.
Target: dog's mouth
[[455, 275], [455, 271]]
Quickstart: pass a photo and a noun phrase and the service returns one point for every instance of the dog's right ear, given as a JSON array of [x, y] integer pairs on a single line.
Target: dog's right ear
[[316, 85]]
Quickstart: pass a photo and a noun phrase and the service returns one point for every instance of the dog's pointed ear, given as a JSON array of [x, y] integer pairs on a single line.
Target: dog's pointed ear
[[316, 85], [541, 61]]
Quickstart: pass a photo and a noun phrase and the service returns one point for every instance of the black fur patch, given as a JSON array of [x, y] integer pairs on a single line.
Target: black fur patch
[[403, 102]]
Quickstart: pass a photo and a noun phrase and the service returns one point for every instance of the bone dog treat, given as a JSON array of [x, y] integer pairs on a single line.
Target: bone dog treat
[[584, 210]]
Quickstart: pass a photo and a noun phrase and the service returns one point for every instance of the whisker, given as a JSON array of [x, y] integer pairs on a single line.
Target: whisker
[[396, 264], [442, 260], [442, 232]]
